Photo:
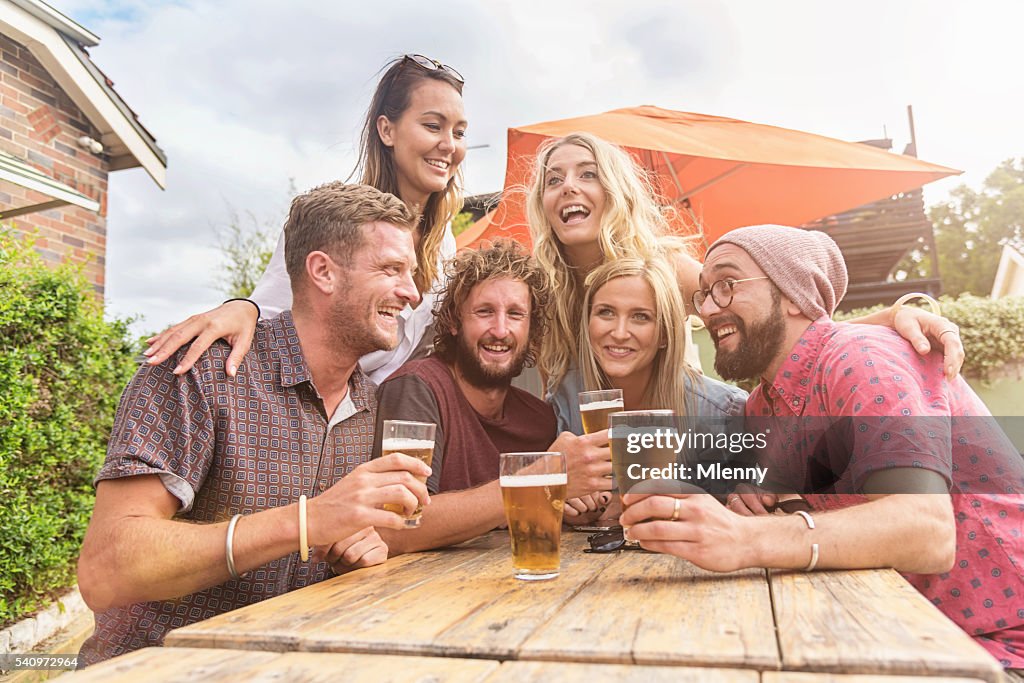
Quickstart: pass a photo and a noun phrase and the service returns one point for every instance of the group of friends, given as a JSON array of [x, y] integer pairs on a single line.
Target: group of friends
[[366, 313]]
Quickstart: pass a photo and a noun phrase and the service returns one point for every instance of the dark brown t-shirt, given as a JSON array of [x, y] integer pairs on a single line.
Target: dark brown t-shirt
[[467, 443]]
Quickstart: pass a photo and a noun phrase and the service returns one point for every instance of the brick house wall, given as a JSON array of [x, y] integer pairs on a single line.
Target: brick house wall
[[40, 124]]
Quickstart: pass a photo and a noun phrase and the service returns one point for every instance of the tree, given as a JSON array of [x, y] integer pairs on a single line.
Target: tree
[[971, 229], [246, 251], [461, 222]]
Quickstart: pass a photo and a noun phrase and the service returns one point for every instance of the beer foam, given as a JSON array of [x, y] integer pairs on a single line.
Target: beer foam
[[397, 443], [515, 481], [601, 405]]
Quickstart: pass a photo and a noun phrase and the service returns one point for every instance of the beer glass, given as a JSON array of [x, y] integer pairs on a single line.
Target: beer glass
[[596, 406], [533, 487], [640, 443], [415, 439]]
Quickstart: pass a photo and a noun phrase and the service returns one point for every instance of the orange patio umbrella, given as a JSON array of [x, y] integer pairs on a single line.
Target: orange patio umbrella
[[719, 173]]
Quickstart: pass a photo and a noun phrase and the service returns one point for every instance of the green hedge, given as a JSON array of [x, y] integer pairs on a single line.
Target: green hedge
[[992, 331], [62, 370]]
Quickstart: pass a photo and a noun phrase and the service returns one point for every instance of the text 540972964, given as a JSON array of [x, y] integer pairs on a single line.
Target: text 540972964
[[16, 662]]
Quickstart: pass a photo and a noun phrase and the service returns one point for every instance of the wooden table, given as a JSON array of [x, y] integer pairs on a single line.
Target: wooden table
[[624, 608], [212, 665]]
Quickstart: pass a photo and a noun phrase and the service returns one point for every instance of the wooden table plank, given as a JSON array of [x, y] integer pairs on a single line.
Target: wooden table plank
[[476, 609], [805, 677], [870, 622], [516, 672], [629, 607], [275, 624], [163, 664], [213, 665], [675, 614]]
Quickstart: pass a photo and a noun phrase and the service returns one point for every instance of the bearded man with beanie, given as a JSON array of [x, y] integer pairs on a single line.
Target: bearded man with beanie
[[897, 466]]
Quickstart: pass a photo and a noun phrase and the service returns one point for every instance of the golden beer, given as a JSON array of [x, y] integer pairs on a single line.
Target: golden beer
[[636, 449], [533, 507], [595, 415], [652, 458], [421, 449]]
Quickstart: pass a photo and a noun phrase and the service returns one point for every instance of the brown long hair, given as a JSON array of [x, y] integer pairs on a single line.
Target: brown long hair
[[377, 161]]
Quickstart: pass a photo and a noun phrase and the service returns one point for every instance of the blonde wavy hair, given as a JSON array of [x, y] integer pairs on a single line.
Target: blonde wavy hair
[[377, 161], [667, 386], [631, 225]]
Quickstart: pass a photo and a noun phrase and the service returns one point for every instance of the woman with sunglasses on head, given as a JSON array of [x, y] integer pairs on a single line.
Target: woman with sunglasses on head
[[412, 145], [588, 204]]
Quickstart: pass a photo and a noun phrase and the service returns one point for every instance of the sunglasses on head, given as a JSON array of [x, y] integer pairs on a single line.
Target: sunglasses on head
[[433, 65], [609, 541]]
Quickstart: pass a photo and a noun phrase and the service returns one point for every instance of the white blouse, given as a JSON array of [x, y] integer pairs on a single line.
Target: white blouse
[[273, 294]]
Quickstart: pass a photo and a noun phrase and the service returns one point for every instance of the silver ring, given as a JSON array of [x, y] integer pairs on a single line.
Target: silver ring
[[675, 510], [953, 330], [732, 498]]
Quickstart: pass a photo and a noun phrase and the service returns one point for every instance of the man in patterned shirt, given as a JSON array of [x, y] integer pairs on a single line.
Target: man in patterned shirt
[[197, 507], [862, 427]]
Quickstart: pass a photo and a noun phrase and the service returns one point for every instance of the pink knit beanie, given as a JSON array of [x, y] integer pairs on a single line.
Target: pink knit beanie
[[806, 265]]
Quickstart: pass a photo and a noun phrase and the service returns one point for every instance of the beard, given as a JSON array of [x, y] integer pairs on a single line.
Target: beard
[[352, 326], [481, 376], [757, 347]]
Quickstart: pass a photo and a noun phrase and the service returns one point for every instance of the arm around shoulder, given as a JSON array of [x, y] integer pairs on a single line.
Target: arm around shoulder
[[234, 321]]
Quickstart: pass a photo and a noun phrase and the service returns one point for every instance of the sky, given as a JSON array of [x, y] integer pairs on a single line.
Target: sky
[[248, 97]]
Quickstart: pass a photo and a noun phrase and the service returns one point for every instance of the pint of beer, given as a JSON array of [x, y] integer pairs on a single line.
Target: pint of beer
[[533, 487], [415, 439], [596, 406], [640, 445]]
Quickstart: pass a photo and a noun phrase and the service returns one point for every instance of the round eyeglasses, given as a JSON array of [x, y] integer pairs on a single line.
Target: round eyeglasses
[[720, 292]]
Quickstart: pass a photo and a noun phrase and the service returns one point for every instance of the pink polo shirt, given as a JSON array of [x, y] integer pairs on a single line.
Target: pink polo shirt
[[861, 400]]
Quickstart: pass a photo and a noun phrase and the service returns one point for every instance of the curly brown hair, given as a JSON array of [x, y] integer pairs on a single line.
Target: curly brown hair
[[504, 258]]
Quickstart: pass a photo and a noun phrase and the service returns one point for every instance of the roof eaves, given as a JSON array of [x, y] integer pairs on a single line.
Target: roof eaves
[[58, 21], [108, 87]]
